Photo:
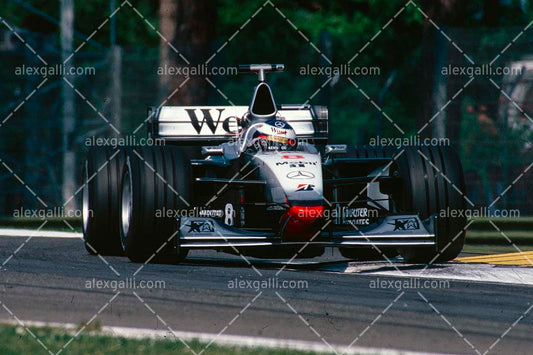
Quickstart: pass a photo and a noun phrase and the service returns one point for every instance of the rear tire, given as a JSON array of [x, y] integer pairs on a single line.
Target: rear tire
[[101, 183], [431, 179], [154, 180]]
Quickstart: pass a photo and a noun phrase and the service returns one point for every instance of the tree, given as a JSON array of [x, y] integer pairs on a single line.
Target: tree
[[434, 91], [69, 108], [189, 26]]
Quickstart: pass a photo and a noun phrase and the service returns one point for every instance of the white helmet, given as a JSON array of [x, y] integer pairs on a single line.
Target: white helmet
[[272, 135]]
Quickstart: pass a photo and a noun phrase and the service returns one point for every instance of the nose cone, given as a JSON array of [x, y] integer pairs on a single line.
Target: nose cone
[[298, 174], [299, 222]]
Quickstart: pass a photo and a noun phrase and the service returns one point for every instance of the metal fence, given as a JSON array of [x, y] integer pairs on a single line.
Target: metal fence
[[495, 139]]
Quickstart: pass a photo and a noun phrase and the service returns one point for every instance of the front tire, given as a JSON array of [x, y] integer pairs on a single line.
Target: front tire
[[433, 182], [156, 182]]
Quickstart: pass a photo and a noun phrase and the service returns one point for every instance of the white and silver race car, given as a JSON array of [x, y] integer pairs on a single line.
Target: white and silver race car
[[261, 180]]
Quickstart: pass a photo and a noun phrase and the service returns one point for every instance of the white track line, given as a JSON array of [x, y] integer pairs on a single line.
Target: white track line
[[14, 232], [515, 275], [502, 274], [224, 339]]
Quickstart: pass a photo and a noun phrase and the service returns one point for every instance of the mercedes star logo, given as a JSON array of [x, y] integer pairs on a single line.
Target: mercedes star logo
[[300, 175]]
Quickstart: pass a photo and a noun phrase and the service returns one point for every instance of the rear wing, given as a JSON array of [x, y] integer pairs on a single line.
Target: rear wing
[[219, 123]]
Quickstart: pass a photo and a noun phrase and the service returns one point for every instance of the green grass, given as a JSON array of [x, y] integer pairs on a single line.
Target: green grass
[[483, 238], [494, 237], [16, 340], [484, 224], [494, 248], [526, 219], [56, 224]]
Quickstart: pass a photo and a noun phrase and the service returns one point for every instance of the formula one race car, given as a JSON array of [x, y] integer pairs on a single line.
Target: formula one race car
[[261, 181]]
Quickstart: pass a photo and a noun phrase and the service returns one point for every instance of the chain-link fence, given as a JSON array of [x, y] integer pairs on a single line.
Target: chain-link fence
[[488, 109]]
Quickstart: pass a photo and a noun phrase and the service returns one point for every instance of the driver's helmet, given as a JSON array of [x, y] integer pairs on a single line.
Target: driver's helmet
[[272, 135]]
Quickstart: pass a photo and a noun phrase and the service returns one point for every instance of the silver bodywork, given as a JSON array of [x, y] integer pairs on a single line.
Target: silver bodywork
[[383, 234], [291, 178], [295, 175]]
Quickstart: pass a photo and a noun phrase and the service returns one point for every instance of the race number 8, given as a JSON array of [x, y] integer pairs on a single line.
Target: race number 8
[[228, 211]]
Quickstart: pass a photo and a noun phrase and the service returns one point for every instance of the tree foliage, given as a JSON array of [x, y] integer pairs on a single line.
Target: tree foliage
[[293, 32]]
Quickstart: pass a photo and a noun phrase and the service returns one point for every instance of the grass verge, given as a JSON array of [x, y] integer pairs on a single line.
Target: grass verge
[[494, 248], [483, 238], [16, 340], [56, 224]]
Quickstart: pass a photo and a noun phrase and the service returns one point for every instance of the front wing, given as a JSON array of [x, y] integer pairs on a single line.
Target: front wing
[[391, 231]]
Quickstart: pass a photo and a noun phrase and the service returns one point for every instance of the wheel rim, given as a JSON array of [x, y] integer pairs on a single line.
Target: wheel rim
[[85, 208], [125, 207]]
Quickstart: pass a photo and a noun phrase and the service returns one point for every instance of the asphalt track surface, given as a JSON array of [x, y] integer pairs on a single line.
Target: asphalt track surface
[[47, 279]]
